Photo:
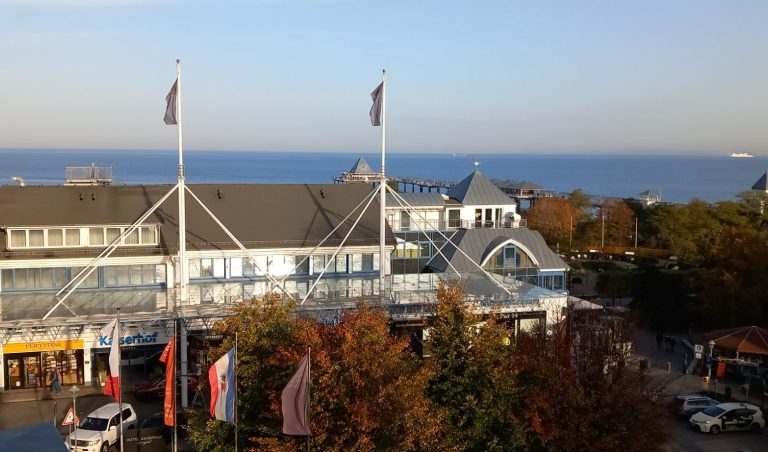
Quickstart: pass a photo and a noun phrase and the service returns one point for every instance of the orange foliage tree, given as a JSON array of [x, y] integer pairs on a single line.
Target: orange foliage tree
[[555, 219]]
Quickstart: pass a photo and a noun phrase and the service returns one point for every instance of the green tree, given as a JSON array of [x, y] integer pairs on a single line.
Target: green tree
[[614, 283], [472, 378], [262, 326], [735, 291]]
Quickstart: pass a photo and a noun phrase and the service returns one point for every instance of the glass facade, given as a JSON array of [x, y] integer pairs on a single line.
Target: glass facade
[[20, 279], [513, 262]]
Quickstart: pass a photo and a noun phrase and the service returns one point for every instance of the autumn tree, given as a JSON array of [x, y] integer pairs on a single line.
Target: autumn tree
[[554, 218], [368, 388], [735, 291], [471, 377], [262, 325], [616, 221], [581, 394]]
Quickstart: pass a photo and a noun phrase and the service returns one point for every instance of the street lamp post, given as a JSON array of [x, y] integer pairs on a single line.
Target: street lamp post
[[709, 365], [74, 390]]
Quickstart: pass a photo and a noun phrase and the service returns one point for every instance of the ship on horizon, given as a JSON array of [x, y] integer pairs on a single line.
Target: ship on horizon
[[741, 155]]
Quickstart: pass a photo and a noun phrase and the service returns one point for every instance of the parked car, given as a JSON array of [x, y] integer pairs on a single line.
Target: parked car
[[728, 417], [155, 388], [157, 422], [99, 430], [686, 405]]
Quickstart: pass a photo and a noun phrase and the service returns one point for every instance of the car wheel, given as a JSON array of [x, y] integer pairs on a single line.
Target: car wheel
[[755, 428], [714, 430], [105, 446]]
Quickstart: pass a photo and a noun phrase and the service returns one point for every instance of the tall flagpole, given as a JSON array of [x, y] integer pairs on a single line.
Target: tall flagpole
[[173, 391], [183, 270], [120, 377], [234, 409], [306, 406], [382, 185]]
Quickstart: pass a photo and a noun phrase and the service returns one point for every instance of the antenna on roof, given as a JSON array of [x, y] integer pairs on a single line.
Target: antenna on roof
[[477, 163], [19, 179]]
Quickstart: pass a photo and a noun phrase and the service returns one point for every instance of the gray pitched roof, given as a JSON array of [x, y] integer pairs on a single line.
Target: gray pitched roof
[[762, 183], [259, 215], [417, 199], [361, 167], [526, 185], [478, 244], [476, 190]]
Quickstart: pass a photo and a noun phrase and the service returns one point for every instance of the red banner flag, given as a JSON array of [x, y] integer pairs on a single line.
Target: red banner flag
[[112, 387], [169, 358]]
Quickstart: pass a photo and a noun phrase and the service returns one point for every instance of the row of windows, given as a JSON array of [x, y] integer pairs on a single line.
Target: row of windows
[[80, 237], [412, 245], [281, 265], [57, 277]]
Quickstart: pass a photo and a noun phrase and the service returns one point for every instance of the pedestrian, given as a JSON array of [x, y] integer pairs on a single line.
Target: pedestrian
[[659, 340], [55, 381]]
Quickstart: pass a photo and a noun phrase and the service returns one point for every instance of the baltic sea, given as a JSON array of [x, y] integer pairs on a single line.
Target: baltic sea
[[679, 178]]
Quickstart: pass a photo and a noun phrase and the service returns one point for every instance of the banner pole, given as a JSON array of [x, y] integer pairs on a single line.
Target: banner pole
[[235, 383], [173, 392], [383, 194], [119, 378]]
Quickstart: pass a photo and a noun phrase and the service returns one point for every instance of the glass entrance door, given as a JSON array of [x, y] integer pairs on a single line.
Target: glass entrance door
[[31, 371], [14, 373]]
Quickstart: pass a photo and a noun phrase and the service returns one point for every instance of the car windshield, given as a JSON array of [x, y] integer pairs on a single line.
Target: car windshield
[[94, 423], [713, 411]]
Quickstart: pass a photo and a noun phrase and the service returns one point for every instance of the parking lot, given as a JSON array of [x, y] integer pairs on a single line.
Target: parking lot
[[683, 438], [29, 411]]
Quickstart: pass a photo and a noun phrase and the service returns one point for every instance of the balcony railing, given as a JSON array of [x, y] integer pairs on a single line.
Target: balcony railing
[[449, 225]]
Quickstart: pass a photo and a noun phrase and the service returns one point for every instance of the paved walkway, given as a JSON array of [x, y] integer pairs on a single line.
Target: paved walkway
[[31, 395], [666, 374]]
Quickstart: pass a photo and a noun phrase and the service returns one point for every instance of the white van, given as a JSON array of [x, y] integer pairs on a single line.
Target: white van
[[99, 430]]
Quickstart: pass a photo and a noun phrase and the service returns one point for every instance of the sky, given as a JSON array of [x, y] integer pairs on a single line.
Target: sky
[[545, 76]]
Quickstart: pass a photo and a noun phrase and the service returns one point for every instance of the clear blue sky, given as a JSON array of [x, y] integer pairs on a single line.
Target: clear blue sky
[[463, 76]]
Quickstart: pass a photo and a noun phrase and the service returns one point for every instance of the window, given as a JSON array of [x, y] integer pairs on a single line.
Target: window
[[206, 268], [302, 268], [91, 281], [18, 239], [72, 237], [132, 238], [454, 218], [55, 237], [133, 275], [405, 221], [341, 263], [367, 263], [95, 236], [112, 234], [75, 237], [36, 238], [478, 218], [236, 267], [148, 235]]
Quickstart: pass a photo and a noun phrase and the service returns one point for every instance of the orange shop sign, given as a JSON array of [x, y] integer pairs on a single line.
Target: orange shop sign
[[44, 346]]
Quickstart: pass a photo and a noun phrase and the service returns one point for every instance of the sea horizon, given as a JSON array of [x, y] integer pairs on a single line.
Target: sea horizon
[[678, 177]]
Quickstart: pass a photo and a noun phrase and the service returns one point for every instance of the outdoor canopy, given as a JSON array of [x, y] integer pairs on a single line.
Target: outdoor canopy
[[744, 339]]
